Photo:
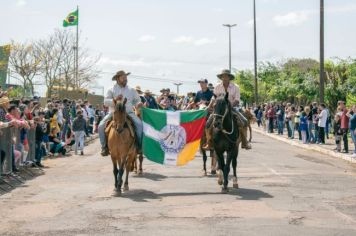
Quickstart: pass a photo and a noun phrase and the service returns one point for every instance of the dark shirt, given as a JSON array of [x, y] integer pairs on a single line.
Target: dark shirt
[[353, 122], [79, 124], [2, 115], [39, 133], [151, 102], [143, 99], [204, 96]]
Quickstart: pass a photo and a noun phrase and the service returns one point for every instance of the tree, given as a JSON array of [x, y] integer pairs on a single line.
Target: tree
[[26, 63]]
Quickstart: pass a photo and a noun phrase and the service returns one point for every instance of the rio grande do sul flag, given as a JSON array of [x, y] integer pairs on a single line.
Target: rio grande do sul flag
[[172, 138]]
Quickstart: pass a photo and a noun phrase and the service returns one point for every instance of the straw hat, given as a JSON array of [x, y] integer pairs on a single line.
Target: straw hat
[[4, 100], [119, 73], [138, 89], [226, 72]]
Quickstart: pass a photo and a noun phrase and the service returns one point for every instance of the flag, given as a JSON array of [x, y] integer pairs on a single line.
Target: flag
[[72, 19], [172, 138]]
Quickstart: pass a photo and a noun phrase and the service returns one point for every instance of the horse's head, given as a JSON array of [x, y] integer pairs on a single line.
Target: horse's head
[[119, 115], [221, 110]]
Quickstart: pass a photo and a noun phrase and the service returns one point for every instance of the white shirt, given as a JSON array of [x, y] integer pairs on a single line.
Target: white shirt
[[322, 118], [129, 93], [232, 89]]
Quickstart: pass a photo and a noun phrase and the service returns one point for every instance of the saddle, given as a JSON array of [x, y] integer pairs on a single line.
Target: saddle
[[128, 124]]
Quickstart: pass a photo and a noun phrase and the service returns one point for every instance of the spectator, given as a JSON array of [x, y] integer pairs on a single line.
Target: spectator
[[345, 120], [297, 121], [352, 115], [303, 126], [40, 132], [322, 119], [57, 146], [280, 119], [79, 133], [337, 132]]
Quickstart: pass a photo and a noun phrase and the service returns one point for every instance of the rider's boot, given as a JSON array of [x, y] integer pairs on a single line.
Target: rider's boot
[[105, 149]]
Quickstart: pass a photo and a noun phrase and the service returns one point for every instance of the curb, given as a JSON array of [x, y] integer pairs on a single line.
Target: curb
[[313, 147]]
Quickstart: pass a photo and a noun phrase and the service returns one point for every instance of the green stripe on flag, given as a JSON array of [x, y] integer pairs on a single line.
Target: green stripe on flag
[[189, 116], [152, 150], [156, 118]]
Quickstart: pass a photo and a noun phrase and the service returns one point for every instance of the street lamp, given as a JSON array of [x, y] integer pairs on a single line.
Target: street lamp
[[255, 50], [229, 26], [321, 51], [177, 84]]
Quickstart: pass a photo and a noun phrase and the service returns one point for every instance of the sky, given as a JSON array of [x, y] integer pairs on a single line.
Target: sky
[[165, 41]]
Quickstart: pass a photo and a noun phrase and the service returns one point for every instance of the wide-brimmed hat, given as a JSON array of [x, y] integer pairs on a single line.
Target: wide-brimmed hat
[[163, 90], [120, 73], [138, 89], [147, 91], [226, 72], [4, 100]]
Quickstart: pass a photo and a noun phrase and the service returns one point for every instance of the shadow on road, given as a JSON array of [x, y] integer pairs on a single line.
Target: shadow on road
[[141, 195], [151, 176]]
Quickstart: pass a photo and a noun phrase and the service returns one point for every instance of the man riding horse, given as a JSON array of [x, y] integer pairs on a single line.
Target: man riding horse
[[120, 91], [233, 90]]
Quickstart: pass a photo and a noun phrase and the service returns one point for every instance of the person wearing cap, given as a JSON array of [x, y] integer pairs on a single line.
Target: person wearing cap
[[121, 90], [227, 86], [203, 96]]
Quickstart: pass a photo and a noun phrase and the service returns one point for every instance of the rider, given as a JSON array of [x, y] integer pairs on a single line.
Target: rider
[[227, 85], [121, 91]]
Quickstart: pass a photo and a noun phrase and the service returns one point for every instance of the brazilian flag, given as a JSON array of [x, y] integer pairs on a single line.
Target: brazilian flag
[[72, 19]]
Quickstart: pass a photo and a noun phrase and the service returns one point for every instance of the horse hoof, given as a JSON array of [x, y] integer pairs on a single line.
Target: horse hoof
[[213, 172], [236, 185], [224, 190], [140, 173], [220, 182], [126, 188]]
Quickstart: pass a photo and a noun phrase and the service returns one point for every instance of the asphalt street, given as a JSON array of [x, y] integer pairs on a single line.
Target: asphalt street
[[283, 191]]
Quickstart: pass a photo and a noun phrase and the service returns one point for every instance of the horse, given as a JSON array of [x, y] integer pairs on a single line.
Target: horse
[[203, 140], [121, 143], [205, 157], [225, 137]]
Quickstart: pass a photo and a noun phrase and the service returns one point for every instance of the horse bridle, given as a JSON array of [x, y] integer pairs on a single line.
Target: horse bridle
[[222, 121]]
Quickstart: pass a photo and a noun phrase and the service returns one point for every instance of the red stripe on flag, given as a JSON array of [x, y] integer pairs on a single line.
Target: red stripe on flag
[[194, 130]]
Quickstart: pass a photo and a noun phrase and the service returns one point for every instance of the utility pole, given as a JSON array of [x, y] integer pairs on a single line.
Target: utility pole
[[322, 74], [255, 50], [177, 84], [229, 26]]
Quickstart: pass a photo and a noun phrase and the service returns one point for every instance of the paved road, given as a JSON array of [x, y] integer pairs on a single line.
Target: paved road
[[284, 191]]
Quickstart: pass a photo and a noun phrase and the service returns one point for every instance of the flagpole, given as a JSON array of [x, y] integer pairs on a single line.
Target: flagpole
[[77, 52]]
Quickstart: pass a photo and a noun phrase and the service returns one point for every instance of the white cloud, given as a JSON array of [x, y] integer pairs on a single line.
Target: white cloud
[[147, 38], [21, 3], [204, 41], [183, 39], [192, 40], [292, 18], [140, 62]]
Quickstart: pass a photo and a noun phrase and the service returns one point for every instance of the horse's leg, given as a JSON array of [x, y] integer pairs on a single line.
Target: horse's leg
[[119, 176], [140, 157], [204, 161], [229, 158], [249, 127], [213, 162], [115, 171], [221, 164], [126, 185], [234, 166]]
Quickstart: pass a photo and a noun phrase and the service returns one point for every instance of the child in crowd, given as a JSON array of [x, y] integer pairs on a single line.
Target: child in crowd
[[337, 132], [78, 127], [303, 126]]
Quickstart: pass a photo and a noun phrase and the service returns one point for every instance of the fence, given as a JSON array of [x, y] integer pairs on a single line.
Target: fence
[[10, 140]]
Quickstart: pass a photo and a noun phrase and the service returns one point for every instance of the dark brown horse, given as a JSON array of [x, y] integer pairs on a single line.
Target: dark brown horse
[[121, 143], [225, 136]]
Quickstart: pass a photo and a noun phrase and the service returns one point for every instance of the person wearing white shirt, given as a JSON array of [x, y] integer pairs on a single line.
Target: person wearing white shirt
[[323, 116], [121, 90]]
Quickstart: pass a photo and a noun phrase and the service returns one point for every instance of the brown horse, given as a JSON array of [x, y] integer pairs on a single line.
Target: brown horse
[[121, 143]]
